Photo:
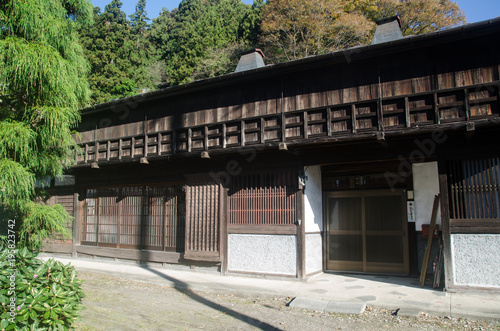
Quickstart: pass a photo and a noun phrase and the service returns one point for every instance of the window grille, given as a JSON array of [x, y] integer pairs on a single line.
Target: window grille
[[474, 189], [148, 217], [263, 199]]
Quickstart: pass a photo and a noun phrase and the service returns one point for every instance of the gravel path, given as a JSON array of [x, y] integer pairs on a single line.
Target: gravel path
[[117, 304]]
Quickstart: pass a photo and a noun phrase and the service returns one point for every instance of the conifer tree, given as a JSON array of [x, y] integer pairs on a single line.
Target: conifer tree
[[119, 55], [43, 84], [139, 19], [204, 37]]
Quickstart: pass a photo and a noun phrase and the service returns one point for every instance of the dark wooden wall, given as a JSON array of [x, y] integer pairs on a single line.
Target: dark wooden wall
[[437, 67]]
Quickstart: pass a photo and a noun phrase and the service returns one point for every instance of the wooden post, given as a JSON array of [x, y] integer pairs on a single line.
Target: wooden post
[[108, 150], [445, 225], [145, 151], [329, 121], [423, 271], [77, 212], [120, 148], [132, 147], [205, 142], [224, 135], [262, 130], [301, 236], [242, 133], [158, 141], [223, 230], [189, 134], [380, 118], [96, 151], [407, 112], [306, 133], [436, 109], [353, 118], [174, 142], [466, 105]]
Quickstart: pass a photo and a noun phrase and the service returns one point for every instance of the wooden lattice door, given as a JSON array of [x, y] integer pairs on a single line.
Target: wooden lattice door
[[203, 216]]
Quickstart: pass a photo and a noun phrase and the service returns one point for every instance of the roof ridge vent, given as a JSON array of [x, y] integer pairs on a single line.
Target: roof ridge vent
[[251, 59], [388, 29]]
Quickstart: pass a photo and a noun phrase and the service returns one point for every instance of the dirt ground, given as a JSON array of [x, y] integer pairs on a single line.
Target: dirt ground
[[119, 304]]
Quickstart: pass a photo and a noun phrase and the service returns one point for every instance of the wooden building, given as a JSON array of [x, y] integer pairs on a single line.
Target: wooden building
[[328, 163]]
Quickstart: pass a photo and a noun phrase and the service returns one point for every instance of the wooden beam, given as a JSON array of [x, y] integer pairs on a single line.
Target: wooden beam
[[263, 229], [475, 226], [131, 254]]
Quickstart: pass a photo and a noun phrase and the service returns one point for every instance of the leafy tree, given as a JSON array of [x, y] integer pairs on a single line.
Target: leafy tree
[[422, 16], [43, 84], [119, 54], [299, 28], [296, 29]]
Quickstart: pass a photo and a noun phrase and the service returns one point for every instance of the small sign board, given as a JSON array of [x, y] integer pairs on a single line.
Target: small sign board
[[411, 211]]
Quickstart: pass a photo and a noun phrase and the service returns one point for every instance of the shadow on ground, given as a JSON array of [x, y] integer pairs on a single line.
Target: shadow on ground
[[184, 288]]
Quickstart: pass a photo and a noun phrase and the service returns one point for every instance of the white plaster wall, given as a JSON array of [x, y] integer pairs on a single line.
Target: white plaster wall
[[313, 200], [268, 254], [425, 187], [476, 259], [314, 253]]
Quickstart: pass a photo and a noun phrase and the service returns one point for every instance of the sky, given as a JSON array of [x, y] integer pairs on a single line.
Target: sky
[[475, 10]]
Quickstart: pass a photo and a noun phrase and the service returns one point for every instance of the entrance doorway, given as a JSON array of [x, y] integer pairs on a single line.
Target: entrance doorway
[[366, 231]]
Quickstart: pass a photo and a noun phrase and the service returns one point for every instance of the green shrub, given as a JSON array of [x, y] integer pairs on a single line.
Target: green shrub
[[48, 295]]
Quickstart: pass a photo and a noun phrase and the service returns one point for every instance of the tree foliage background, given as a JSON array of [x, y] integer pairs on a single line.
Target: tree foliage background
[[203, 38], [43, 80]]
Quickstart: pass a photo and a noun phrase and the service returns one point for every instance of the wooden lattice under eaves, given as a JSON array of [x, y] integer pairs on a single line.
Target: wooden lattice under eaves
[[263, 199], [147, 217]]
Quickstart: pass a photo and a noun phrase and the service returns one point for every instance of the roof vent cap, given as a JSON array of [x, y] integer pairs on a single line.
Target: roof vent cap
[[388, 29], [251, 59]]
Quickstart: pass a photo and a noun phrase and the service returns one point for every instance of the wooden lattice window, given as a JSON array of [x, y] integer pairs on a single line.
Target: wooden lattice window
[[148, 217], [263, 198], [474, 189]]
